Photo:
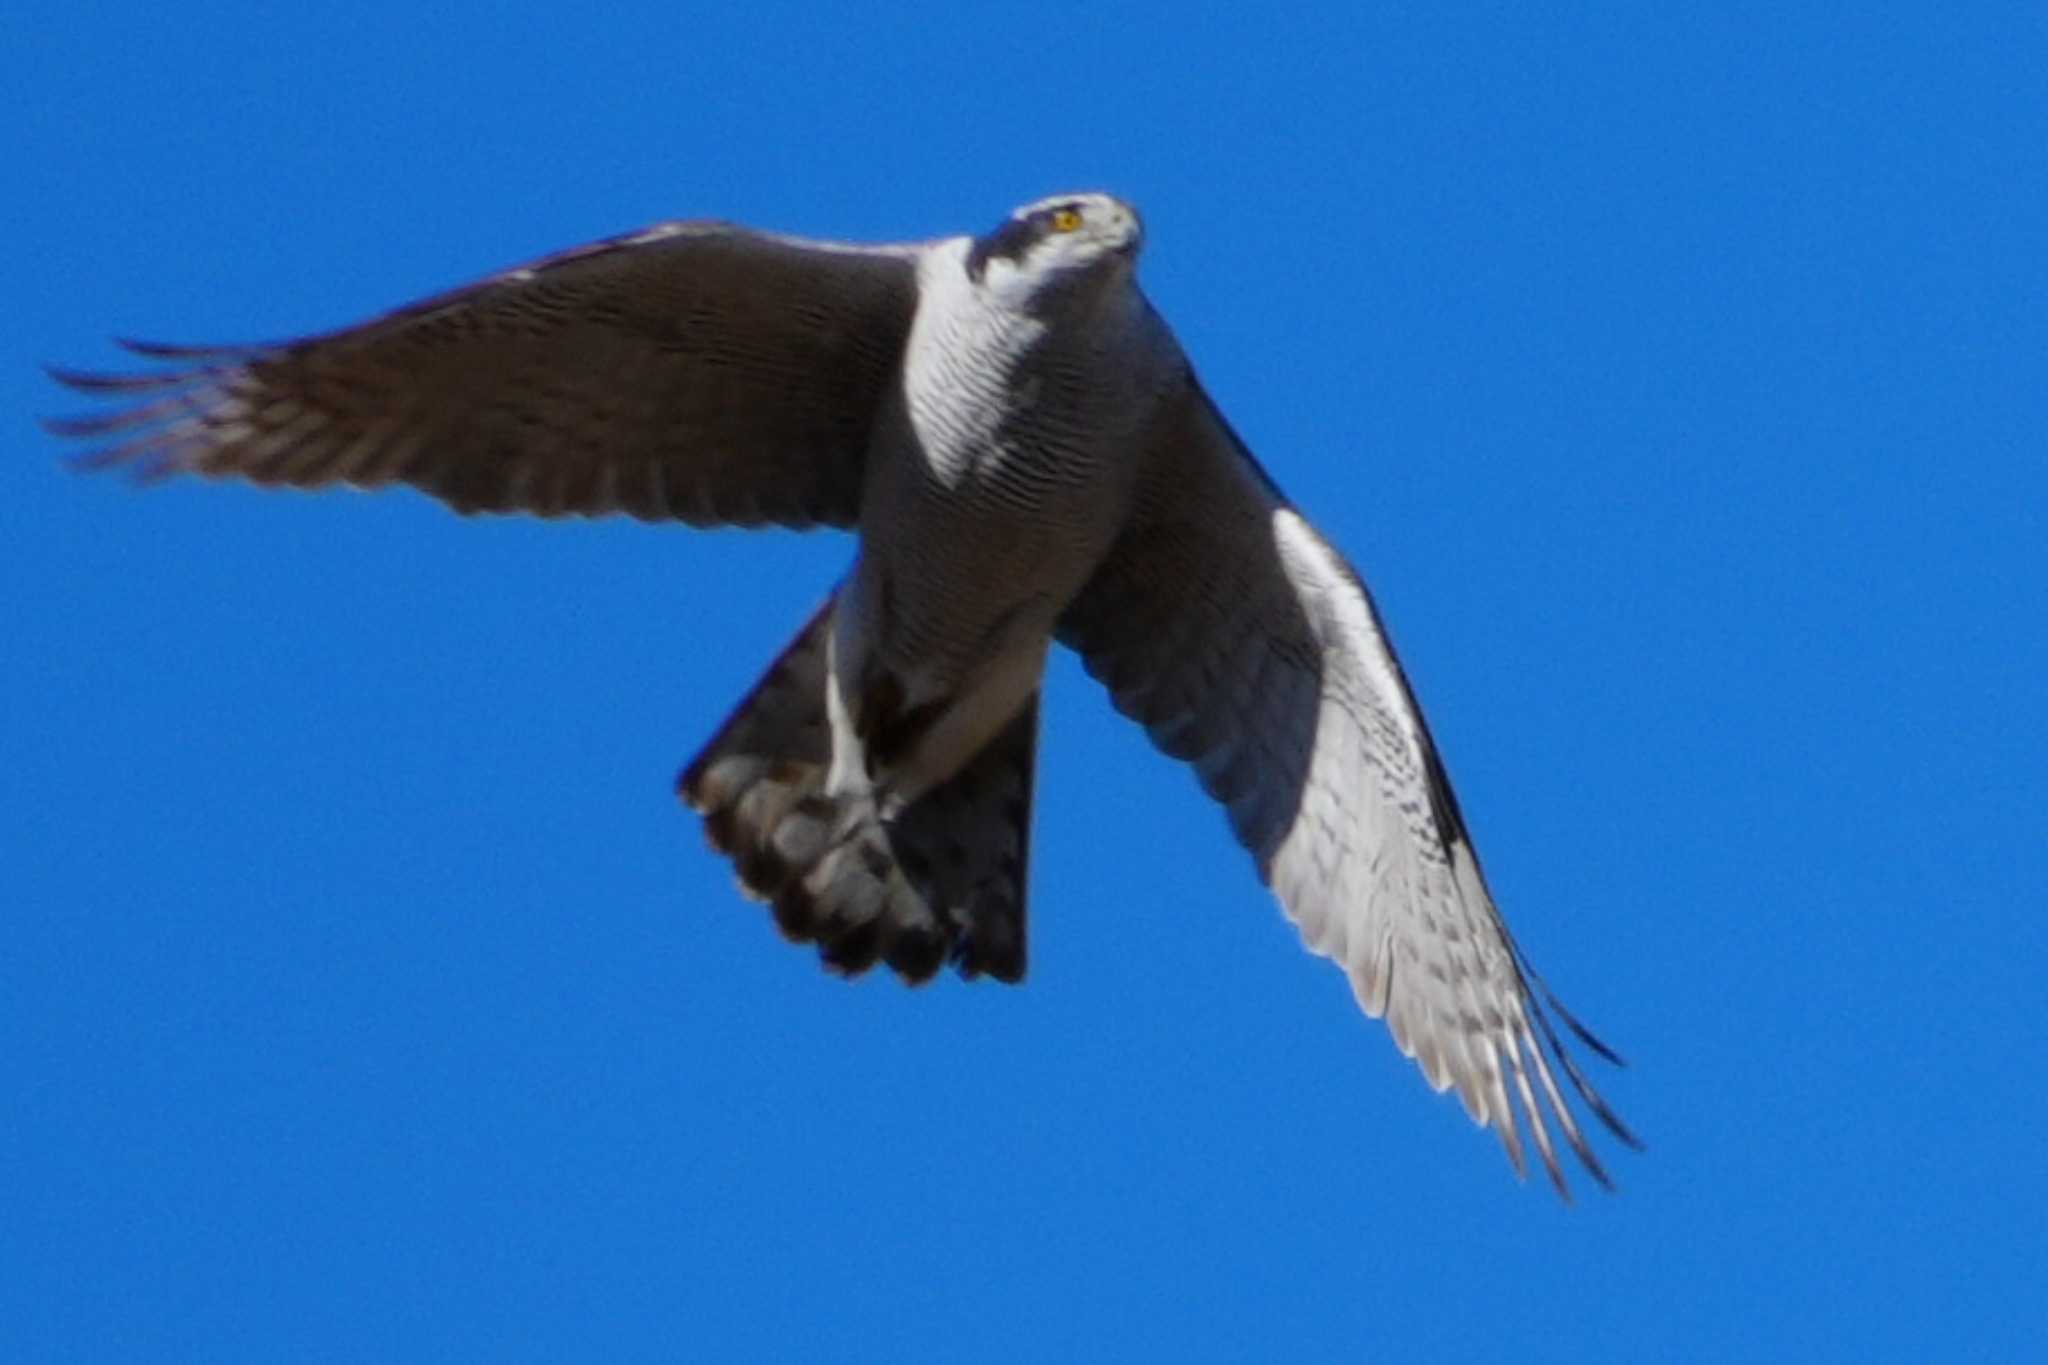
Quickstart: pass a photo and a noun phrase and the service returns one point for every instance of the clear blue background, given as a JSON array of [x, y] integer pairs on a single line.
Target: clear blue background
[[1677, 379]]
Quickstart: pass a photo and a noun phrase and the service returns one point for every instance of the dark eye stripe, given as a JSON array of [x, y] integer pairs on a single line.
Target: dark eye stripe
[[1010, 240], [1014, 236]]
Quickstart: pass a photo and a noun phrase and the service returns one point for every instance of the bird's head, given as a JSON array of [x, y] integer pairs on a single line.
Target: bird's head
[[1057, 243]]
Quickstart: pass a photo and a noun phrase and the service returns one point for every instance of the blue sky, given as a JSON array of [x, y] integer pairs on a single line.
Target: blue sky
[[1675, 376]]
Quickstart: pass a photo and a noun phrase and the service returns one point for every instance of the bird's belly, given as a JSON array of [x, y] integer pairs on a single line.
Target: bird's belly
[[969, 576]]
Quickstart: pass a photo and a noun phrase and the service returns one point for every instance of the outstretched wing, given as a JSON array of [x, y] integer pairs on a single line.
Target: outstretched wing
[[698, 372], [1246, 645]]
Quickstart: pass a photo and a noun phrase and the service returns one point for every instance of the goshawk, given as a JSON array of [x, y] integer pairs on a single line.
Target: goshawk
[[1026, 456]]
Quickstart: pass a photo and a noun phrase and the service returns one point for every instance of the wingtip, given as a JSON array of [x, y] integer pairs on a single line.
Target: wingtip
[[1623, 1134], [86, 380], [173, 350], [67, 426], [1591, 1162], [94, 382], [139, 462], [1588, 1095], [1582, 1033]]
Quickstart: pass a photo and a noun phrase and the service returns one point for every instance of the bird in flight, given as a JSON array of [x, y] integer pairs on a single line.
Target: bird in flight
[[1026, 456]]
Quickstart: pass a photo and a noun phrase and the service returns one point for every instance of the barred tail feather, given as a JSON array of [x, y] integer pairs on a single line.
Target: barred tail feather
[[943, 880]]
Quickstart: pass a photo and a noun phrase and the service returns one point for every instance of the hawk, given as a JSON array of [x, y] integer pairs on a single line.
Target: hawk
[[1026, 456]]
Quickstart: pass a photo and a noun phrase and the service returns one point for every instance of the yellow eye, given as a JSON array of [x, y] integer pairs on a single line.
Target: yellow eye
[[1066, 220]]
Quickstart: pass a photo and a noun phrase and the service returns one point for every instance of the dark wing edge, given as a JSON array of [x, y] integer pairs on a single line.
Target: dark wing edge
[[1248, 647], [691, 371]]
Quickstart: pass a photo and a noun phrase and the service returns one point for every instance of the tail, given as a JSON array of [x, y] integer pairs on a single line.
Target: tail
[[943, 880]]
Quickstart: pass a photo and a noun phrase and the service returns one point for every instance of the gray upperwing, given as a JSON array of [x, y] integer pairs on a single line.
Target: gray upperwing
[[698, 372]]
